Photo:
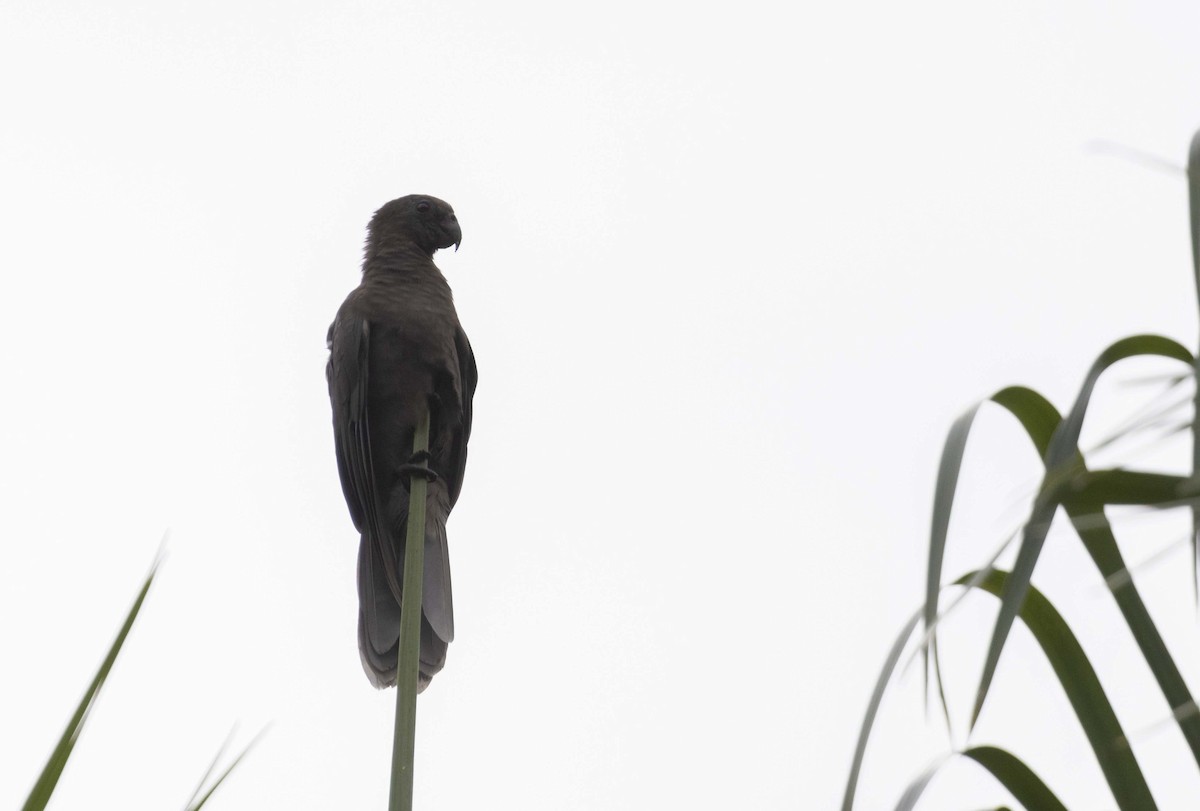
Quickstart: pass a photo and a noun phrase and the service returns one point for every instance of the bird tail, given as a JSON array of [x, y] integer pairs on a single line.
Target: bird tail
[[380, 596]]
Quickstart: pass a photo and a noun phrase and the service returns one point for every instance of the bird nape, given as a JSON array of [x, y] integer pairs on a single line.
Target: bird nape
[[396, 348]]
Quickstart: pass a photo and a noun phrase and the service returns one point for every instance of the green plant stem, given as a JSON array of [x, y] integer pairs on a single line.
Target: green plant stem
[[404, 739], [1193, 175]]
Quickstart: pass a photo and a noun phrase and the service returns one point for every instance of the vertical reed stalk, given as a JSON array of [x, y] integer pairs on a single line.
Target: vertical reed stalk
[[404, 739], [1193, 178]]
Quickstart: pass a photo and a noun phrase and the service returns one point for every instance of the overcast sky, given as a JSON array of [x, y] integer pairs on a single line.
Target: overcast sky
[[729, 272]]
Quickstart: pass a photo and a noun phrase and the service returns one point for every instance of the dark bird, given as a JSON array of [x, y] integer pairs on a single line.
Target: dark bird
[[395, 349]]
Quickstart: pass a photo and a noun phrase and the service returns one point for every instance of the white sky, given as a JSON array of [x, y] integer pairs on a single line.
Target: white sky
[[729, 273]]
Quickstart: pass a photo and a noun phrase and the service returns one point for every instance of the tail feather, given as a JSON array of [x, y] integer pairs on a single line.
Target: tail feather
[[378, 617], [433, 655], [437, 599], [379, 603], [380, 667]]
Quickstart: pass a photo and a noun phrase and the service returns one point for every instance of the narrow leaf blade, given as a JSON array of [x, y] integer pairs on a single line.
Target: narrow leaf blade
[[196, 804], [1039, 419], [885, 678], [1021, 781], [1009, 771], [43, 789], [1083, 689], [1063, 462]]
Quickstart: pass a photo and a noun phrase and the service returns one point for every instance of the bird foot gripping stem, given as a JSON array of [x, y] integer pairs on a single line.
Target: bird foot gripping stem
[[417, 465]]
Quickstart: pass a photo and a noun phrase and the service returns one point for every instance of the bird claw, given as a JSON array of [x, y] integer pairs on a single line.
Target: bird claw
[[417, 465]]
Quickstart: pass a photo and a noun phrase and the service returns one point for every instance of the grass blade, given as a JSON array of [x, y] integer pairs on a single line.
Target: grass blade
[[212, 767], [908, 800], [1130, 487], [1101, 545], [1039, 419], [885, 677], [1037, 415], [1083, 689], [1193, 177], [43, 789], [1009, 770], [1084, 508], [1065, 442], [1088, 493], [943, 504], [1063, 462], [1021, 781], [197, 802], [1079, 682]]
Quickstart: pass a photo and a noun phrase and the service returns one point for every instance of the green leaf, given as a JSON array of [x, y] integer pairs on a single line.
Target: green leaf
[[1066, 439], [885, 677], [1062, 462], [1083, 689], [1103, 487], [198, 800], [943, 504], [1039, 419], [908, 800], [1085, 496], [43, 789], [1037, 415], [1193, 176], [1019, 779], [1076, 676], [1096, 533], [1008, 769], [1087, 697]]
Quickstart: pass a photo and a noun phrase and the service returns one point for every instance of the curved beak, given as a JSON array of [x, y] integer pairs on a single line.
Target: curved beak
[[453, 233]]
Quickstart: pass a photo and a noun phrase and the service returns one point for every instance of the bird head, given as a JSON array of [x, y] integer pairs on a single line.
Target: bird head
[[426, 221]]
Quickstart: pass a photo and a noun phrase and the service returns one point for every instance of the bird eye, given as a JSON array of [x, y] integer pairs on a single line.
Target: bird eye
[[423, 206]]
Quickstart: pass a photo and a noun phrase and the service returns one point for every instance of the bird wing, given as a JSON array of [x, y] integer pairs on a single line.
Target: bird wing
[[468, 377], [347, 373]]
